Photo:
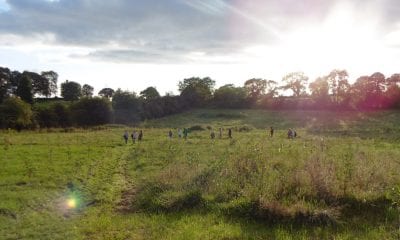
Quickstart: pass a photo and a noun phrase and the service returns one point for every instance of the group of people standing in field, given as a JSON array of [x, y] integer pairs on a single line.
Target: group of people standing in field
[[135, 135], [220, 132], [183, 133], [290, 134]]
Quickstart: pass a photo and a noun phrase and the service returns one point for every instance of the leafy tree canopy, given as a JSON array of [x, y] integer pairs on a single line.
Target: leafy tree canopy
[[87, 90], [295, 81], [149, 93], [71, 91], [106, 92], [196, 91]]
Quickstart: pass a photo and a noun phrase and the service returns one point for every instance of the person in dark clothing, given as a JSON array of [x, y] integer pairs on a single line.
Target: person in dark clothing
[[185, 133], [290, 134], [170, 134], [212, 135], [140, 137], [230, 133], [271, 132]]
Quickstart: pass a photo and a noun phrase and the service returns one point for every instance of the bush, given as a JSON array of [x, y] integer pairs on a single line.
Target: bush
[[52, 115], [91, 111], [196, 128], [15, 113], [45, 117], [226, 115], [127, 107]]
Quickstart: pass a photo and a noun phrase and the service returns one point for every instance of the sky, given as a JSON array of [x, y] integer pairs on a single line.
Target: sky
[[133, 44]]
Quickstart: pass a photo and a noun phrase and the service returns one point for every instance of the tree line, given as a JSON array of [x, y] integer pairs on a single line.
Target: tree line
[[28, 99]]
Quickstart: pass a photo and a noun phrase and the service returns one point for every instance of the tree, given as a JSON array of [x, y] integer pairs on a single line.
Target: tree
[[87, 90], [52, 115], [368, 91], [196, 91], [40, 85], [295, 81], [52, 78], [91, 111], [319, 88], [70, 91], [63, 114], [15, 113], [229, 96], [320, 91], [44, 84], [339, 86], [378, 82], [260, 91], [44, 115], [393, 90], [15, 79], [106, 92], [127, 107], [24, 89], [5, 83], [393, 80], [255, 89], [149, 93], [272, 89]]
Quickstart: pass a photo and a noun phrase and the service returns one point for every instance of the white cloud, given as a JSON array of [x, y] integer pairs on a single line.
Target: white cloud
[[158, 42]]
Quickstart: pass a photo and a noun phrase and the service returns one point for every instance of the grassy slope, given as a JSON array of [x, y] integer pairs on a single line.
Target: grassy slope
[[383, 124], [203, 189]]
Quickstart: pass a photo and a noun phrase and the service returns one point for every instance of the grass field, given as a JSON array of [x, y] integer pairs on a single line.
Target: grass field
[[340, 179]]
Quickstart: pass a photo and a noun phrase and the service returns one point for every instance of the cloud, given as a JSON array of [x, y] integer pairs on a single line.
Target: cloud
[[150, 23], [129, 55], [164, 31]]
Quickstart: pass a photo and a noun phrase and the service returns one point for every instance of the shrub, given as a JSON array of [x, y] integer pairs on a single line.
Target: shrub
[[52, 114], [196, 128], [45, 117], [63, 114], [15, 113], [91, 111]]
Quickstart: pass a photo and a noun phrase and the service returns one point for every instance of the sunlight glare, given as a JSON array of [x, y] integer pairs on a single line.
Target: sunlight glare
[[71, 203], [344, 37]]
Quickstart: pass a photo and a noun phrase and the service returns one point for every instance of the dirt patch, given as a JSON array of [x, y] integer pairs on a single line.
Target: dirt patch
[[125, 205]]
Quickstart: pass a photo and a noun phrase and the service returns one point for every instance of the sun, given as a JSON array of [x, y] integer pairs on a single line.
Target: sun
[[341, 40]]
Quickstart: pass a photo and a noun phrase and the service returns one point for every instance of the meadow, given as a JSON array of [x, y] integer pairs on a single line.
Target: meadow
[[340, 179]]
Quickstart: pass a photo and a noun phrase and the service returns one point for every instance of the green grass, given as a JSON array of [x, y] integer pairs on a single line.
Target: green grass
[[339, 179], [382, 125]]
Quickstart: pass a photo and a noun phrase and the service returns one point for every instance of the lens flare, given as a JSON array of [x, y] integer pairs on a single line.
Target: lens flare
[[71, 203]]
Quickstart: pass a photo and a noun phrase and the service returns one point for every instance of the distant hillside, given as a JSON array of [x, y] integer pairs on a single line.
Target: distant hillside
[[382, 124]]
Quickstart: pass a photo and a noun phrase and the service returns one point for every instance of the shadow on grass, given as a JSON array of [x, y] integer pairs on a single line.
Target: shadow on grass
[[337, 211]]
